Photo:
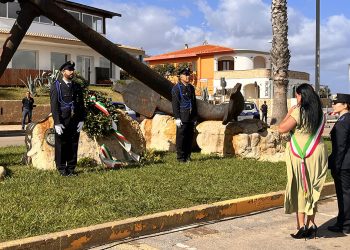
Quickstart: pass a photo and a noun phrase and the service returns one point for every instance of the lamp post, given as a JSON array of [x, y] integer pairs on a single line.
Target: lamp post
[[349, 75], [317, 54]]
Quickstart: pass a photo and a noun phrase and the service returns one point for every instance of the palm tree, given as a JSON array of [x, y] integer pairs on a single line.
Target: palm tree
[[280, 57]]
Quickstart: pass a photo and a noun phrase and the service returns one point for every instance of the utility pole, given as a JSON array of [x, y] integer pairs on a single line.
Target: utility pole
[[317, 59]]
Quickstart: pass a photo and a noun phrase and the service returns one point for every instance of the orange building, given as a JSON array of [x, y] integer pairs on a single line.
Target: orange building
[[200, 58], [213, 65]]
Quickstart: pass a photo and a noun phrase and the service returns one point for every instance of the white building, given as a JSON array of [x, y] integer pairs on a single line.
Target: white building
[[253, 69], [46, 45]]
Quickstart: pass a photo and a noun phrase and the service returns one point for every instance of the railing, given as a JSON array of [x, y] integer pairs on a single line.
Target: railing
[[11, 77]]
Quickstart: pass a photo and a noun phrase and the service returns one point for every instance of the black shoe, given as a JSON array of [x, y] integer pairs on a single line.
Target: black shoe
[[73, 173], [301, 233], [335, 228], [63, 173], [311, 232]]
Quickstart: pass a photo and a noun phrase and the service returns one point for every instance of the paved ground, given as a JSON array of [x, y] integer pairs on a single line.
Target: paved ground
[[12, 141], [9, 135], [266, 230]]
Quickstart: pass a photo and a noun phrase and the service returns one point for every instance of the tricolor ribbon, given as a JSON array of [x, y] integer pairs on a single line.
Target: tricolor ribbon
[[104, 152], [107, 159], [307, 151]]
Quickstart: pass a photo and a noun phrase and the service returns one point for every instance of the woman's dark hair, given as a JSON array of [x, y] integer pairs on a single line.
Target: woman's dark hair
[[310, 107]]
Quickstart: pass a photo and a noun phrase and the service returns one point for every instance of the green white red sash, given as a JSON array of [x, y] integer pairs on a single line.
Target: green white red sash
[[105, 154], [307, 151]]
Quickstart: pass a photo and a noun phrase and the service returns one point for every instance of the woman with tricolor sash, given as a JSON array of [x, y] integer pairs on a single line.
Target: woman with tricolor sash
[[306, 159]]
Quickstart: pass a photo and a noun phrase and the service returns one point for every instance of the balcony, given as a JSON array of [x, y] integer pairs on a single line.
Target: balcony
[[257, 73]]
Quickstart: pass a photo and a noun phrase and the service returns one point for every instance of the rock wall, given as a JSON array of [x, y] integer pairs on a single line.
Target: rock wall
[[11, 112], [249, 139], [41, 154], [160, 133]]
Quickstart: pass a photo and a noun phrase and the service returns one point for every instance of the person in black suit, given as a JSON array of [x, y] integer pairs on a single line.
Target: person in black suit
[[185, 113], [27, 108], [68, 112], [339, 162]]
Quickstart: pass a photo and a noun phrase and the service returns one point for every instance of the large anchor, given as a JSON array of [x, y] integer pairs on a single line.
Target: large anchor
[[30, 9]]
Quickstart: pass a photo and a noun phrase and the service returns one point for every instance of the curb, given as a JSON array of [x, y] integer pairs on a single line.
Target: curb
[[86, 237], [9, 133]]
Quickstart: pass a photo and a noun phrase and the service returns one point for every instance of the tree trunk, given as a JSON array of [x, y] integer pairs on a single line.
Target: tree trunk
[[280, 57]]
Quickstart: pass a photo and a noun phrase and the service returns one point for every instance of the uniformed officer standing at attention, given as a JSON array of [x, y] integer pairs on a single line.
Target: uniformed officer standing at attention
[[68, 112], [185, 112], [339, 162]]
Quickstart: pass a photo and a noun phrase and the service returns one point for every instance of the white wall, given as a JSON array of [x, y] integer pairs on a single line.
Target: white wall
[[45, 49], [265, 85], [243, 61]]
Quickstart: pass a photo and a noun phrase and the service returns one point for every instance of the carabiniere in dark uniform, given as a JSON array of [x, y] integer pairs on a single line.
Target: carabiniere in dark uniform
[[67, 107], [339, 163], [184, 109]]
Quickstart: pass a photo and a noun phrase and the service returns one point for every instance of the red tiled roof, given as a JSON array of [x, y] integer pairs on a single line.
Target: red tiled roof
[[191, 52]]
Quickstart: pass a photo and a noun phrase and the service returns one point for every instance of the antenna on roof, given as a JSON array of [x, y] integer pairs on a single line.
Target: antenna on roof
[[186, 45], [205, 42]]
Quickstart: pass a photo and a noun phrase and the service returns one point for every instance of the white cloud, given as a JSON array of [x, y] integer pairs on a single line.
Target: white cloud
[[151, 27], [237, 24]]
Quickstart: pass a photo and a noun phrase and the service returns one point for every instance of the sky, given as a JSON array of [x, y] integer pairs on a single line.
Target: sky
[[160, 26]]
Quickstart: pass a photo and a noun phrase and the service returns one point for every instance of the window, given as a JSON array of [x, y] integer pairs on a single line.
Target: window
[[13, 7], [87, 19], [105, 63], [24, 59], [225, 65], [3, 10], [74, 14], [97, 24], [94, 22], [57, 59]]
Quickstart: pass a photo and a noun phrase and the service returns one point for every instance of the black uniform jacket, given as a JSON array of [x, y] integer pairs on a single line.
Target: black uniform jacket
[[340, 136], [65, 115], [188, 92]]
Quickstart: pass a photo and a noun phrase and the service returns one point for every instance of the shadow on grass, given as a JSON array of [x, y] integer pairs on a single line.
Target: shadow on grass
[[10, 159]]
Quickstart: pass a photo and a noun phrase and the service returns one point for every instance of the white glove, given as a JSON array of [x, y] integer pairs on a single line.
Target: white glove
[[178, 123], [80, 126], [59, 129]]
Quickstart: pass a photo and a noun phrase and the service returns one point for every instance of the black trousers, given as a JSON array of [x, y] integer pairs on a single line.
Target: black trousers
[[264, 117], [66, 149], [342, 188], [184, 139]]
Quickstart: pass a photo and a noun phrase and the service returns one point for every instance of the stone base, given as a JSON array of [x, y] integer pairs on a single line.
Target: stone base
[[41, 155], [160, 133], [248, 138]]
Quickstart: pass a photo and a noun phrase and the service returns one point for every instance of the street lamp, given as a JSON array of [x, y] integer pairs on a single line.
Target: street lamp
[[317, 56]]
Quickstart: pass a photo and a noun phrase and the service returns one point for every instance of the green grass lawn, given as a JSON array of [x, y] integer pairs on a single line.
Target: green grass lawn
[[17, 93], [35, 202]]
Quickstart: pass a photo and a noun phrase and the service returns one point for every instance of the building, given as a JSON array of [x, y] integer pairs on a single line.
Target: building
[[216, 66], [46, 45]]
